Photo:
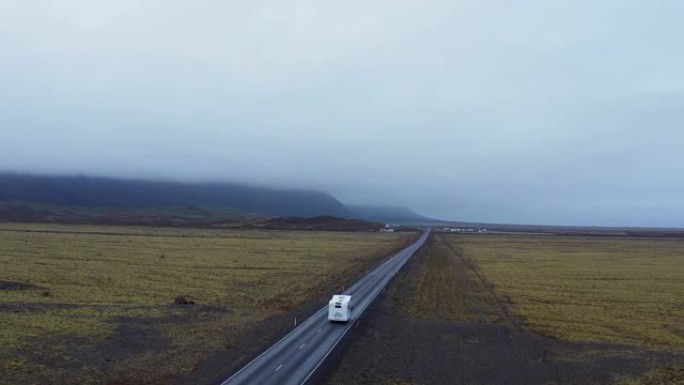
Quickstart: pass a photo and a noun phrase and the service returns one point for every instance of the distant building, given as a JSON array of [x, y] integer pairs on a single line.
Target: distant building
[[388, 228], [462, 230]]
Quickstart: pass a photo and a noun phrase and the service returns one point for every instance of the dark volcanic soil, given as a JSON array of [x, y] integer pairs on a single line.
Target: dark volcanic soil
[[415, 334], [11, 285]]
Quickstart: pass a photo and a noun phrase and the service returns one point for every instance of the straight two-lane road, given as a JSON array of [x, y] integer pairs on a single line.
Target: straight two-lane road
[[295, 358]]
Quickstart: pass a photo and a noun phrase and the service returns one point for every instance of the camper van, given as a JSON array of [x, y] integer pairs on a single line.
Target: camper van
[[340, 308]]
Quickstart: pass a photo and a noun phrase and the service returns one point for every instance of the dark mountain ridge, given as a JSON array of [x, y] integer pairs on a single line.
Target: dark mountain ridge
[[109, 192]]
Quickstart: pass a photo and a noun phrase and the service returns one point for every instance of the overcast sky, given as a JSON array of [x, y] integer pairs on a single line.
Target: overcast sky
[[530, 111]]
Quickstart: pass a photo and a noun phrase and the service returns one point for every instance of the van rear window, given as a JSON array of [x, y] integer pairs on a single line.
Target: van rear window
[[338, 305]]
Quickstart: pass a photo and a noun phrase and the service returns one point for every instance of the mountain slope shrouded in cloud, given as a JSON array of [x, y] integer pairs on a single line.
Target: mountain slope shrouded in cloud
[[108, 192], [528, 112], [388, 214]]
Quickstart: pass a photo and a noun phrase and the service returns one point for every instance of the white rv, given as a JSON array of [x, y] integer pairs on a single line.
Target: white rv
[[340, 308]]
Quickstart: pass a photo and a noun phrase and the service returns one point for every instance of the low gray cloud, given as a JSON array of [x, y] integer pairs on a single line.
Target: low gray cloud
[[566, 112]]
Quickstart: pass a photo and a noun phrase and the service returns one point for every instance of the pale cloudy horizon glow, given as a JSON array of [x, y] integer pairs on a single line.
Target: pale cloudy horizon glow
[[566, 112]]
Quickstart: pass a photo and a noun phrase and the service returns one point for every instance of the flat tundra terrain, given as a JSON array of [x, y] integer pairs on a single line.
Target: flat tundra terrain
[[495, 309], [101, 304]]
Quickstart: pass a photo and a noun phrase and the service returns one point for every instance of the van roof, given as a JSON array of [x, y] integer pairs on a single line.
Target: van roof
[[340, 298]]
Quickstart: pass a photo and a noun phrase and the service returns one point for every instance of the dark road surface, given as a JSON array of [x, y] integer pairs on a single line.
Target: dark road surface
[[293, 359]]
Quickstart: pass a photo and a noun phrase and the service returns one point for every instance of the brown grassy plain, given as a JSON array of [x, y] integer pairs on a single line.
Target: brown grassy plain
[[590, 289], [534, 310], [98, 307]]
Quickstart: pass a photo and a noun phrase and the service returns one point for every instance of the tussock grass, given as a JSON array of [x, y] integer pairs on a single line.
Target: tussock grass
[[444, 287], [661, 376], [593, 289], [90, 281]]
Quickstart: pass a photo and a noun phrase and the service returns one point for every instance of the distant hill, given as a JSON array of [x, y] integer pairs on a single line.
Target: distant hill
[[389, 214], [95, 192], [176, 216], [322, 223]]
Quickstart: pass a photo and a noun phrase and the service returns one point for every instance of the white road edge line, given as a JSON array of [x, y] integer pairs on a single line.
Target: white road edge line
[[272, 347], [278, 368], [301, 346]]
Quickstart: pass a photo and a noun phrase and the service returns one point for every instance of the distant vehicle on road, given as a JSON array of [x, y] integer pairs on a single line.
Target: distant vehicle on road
[[340, 308]]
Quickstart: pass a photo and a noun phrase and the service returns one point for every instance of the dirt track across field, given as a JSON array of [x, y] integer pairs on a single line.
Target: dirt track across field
[[441, 322]]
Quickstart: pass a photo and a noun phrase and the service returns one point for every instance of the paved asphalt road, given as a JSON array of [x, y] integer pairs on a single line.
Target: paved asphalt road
[[293, 359]]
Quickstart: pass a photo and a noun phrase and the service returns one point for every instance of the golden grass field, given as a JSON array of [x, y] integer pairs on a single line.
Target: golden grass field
[[93, 284], [590, 289]]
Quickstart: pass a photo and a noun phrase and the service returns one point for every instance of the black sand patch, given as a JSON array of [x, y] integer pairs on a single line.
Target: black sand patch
[[10, 285]]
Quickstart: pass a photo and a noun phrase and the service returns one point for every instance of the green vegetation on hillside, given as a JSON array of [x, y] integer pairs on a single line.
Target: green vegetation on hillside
[[161, 216]]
